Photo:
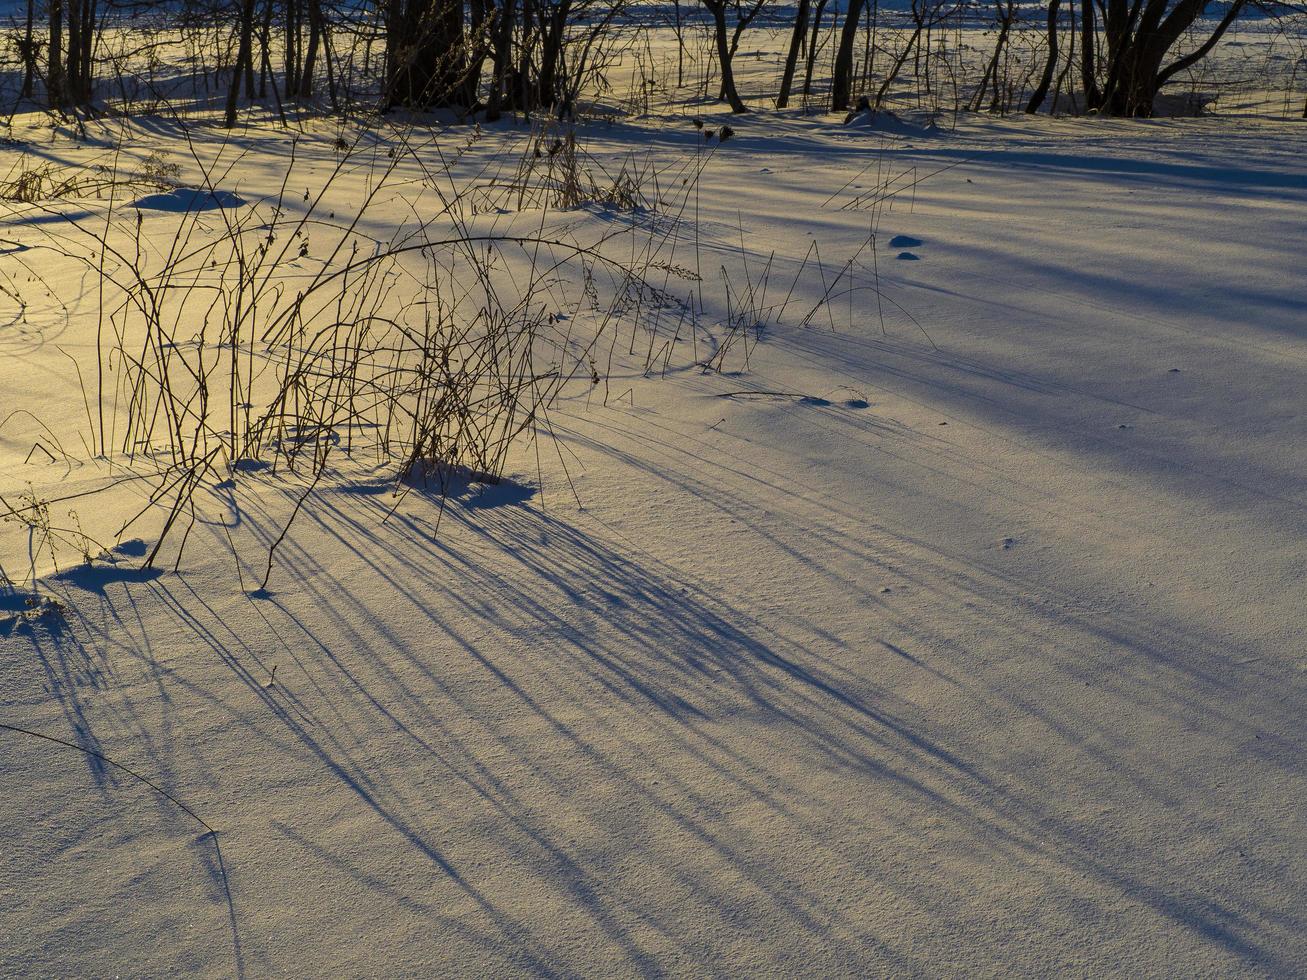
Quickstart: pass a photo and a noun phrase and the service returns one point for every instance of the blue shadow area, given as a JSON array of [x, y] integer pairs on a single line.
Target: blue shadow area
[[183, 200]]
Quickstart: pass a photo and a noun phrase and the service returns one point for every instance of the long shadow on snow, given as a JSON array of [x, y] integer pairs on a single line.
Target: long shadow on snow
[[72, 669], [679, 646], [1182, 670], [677, 649], [654, 640]]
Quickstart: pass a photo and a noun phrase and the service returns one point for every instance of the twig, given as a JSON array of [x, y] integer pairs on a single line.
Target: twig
[[117, 765]]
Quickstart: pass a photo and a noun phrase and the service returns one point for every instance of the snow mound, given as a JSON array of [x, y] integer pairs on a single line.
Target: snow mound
[[888, 123]]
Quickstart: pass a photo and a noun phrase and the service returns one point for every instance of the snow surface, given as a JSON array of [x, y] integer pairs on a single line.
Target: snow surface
[[978, 650]]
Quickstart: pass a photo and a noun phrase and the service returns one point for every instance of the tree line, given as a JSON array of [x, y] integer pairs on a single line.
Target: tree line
[[489, 57]]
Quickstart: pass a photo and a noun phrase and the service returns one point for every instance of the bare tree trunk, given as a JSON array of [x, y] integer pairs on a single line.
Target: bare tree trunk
[[73, 54], [1202, 51], [869, 48], [842, 77], [724, 55], [522, 81], [251, 88], [305, 89], [812, 47], [328, 60], [742, 20], [244, 60], [1050, 63], [29, 52], [1005, 17], [477, 50], [1138, 43], [1070, 63], [291, 54], [1088, 81], [266, 72], [797, 37], [501, 56], [551, 49], [265, 51], [425, 53], [55, 81], [87, 88]]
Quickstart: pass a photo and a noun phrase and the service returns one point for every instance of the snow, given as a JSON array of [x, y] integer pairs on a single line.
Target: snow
[[960, 634]]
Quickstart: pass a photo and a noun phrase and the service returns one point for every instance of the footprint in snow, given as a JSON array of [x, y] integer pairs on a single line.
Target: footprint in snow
[[905, 241], [908, 257]]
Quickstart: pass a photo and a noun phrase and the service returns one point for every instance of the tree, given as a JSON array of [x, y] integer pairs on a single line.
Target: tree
[[728, 40], [1138, 38], [426, 57], [560, 46], [70, 74], [301, 54], [1005, 14], [244, 61], [797, 37], [55, 82], [842, 77], [28, 48], [1050, 63], [812, 46], [500, 30]]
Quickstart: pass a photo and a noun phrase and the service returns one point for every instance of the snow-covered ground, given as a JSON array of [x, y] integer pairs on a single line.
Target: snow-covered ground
[[961, 632]]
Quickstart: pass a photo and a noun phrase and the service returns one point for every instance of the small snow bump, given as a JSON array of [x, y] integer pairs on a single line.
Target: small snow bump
[[908, 256]]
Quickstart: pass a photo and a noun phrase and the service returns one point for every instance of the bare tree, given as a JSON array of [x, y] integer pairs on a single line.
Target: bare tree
[[1137, 40], [1005, 14], [812, 46], [728, 40], [797, 36], [1050, 62], [28, 49], [842, 77], [426, 55], [244, 60]]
